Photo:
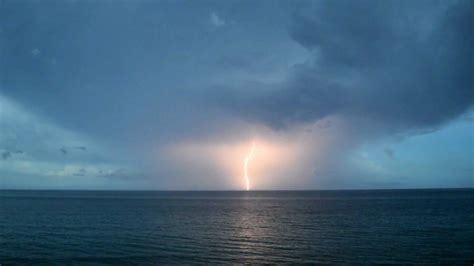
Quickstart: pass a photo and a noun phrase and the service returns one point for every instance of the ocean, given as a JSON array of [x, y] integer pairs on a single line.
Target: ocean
[[149, 228]]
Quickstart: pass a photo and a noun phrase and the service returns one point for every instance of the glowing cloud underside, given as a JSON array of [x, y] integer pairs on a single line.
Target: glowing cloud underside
[[246, 164]]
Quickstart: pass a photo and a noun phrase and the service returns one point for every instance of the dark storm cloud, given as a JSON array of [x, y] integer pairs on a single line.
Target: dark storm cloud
[[112, 68], [403, 65], [122, 69], [85, 64]]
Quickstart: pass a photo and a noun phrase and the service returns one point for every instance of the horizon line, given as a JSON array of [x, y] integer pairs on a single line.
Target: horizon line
[[236, 190]]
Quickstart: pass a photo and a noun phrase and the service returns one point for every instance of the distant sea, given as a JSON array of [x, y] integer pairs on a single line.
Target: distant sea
[[149, 228]]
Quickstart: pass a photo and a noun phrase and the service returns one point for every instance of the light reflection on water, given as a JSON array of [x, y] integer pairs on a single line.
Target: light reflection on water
[[411, 226]]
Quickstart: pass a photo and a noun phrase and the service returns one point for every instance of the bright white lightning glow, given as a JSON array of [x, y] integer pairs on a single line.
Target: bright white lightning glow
[[246, 164]]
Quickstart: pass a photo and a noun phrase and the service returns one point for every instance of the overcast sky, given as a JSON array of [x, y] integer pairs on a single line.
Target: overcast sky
[[173, 94]]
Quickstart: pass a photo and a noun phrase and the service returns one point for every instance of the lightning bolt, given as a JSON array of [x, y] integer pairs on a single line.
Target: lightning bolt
[[246, 165]]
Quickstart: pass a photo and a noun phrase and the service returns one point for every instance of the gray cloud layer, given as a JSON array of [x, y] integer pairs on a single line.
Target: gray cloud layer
[[111, 68], [400, 65]]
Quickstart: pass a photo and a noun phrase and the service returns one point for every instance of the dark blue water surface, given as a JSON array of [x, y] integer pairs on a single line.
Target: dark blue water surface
[[98, 227]]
